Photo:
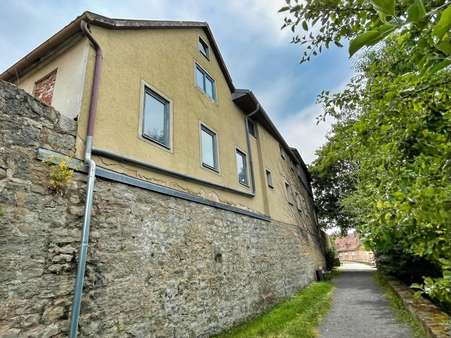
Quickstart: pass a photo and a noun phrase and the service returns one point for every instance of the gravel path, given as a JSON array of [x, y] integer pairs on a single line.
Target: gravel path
[[359, 308]]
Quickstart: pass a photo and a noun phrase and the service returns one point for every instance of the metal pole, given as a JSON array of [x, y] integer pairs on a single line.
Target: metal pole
[[83, 252]]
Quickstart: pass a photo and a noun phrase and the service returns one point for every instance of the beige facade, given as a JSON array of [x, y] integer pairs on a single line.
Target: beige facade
[[164, 60], [69, 62]]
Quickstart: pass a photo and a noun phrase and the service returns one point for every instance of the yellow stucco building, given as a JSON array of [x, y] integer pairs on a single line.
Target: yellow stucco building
[[169, 113]]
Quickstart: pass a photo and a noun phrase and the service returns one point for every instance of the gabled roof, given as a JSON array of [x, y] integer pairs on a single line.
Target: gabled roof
[[73, 28], [244, 98]]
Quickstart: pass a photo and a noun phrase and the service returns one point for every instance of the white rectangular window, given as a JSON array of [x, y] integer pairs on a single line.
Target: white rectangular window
[[209, 148], [241, 167], [269, 178], [156, 118], [203, 48], [205, 82]]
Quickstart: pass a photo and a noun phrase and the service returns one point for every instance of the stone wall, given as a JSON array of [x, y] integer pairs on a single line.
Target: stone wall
[[158, 266]]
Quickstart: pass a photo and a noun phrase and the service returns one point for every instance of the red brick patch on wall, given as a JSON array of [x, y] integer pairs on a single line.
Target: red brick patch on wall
[[43, 88]]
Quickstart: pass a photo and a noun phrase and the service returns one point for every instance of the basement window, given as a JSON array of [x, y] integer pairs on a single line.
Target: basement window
[[241, 167], [203, 48], [156, 118], [205, 82], [209, 148]]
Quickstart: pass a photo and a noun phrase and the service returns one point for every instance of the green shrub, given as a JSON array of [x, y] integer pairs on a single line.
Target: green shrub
[[332, 259]]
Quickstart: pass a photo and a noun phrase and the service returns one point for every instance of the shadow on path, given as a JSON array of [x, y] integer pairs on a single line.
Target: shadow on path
[[359, 308]]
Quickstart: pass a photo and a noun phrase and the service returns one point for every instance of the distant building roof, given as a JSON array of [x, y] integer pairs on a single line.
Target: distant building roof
[[349, 243]]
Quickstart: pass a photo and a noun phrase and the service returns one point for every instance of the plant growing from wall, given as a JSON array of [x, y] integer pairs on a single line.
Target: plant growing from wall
[[60, 176]]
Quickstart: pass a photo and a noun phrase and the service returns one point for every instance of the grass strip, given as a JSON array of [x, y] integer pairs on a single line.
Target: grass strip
[[402, 313], [296, 317]]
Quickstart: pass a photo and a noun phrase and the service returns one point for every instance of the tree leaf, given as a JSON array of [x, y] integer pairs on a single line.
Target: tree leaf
[[445, 47], [387, 7], [370, 38], [304, 25], [283, 9], [416, 12], [444, 23]]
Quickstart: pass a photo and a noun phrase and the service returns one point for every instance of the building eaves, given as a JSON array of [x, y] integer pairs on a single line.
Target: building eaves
[[247, 101], [73, 28]]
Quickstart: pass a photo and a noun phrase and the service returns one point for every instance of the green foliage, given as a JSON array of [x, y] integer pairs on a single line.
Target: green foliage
[[296, 317], [393, 124], [332, 259], [60, 176], [401, 312], [425, 26]]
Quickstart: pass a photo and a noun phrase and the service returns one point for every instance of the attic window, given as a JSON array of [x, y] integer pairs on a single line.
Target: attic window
[[203, 48]]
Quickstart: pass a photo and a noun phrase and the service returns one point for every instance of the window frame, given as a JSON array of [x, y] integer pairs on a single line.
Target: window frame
[[289, 192], [204, 128], [205, 75], [299, 201], [282, 152], [202, 43], [253, 130], [246, 166], [147, 89], [269, 181]]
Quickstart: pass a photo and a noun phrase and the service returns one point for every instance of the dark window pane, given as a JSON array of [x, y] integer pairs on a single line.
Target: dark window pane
[[156, 118], [251, 127], [203, 47]]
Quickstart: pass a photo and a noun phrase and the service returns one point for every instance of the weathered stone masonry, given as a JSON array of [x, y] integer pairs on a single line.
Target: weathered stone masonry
[[158, 266]]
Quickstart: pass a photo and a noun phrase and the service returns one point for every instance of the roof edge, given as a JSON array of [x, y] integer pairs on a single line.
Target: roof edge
[[37, 54]]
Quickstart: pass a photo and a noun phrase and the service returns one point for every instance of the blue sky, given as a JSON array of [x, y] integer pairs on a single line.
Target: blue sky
[[258, 54]]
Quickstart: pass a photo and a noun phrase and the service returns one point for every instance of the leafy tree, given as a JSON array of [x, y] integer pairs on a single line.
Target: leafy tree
[[386, 168], [392, 132], [424, 25]]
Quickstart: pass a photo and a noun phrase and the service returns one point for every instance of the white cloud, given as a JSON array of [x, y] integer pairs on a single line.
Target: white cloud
[[302, 131]]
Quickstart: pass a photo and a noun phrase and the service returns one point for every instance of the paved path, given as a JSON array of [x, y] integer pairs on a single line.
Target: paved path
[[359, 308]]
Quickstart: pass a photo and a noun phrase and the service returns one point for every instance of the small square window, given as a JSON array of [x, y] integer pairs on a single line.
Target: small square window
[[241, 166], [203, 48], [205, 82], [209, 148], [269, 178], [251, 127], [156, 118]]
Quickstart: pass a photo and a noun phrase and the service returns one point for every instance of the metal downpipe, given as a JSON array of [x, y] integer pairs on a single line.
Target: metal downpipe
[[78, 289]]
